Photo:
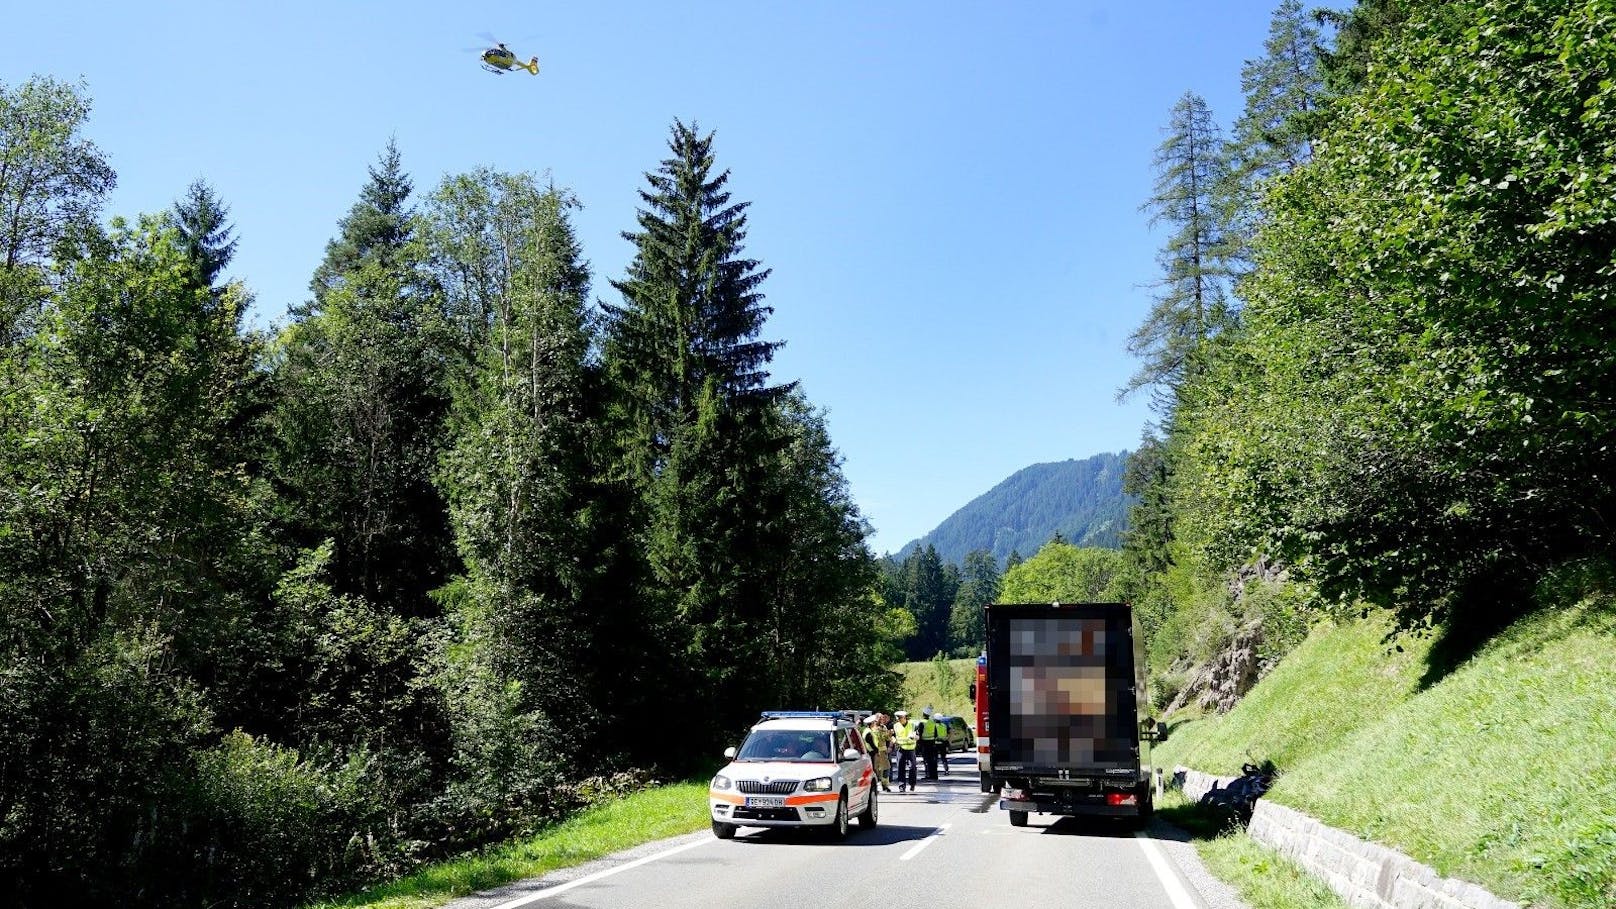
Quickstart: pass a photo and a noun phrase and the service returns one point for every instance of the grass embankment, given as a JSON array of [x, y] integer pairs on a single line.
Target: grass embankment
[[616, 825], [1499, 772], [943, 685], [1264, 878]]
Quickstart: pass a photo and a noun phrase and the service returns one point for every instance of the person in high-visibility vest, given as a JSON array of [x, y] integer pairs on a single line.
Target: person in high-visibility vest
[[906, 736], [877, 741], [932, 741]]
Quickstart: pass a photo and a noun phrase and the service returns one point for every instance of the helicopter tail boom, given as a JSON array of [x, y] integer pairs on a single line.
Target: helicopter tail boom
[[531, 66]]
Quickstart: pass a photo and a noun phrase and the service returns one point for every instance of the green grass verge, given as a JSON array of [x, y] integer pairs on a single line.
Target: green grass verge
[[1264, 878], [945, 689], [1499, 772], [611, 827]]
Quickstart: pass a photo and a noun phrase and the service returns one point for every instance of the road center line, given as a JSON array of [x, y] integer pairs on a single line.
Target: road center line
[[915, 849], [1158, 863], [591, 878]]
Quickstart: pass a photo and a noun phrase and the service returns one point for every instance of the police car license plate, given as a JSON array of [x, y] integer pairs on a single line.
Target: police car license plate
[[765, 802]]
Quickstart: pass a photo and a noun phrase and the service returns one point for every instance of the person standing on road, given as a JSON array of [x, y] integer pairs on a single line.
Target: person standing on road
[[931, 741], [906, 735], [876, 741]]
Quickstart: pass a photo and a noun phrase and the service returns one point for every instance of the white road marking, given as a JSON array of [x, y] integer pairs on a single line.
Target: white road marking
[[591, 878], [915, 849], [1158, 863]]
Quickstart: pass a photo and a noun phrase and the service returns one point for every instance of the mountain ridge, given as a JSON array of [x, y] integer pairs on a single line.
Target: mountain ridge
[[1082, 499]]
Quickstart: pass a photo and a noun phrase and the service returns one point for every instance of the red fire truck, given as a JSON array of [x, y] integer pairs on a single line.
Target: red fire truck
[[984, 750]]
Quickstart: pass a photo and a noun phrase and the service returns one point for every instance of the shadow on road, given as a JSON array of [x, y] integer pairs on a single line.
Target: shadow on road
[[884, 835], [1084, 826]]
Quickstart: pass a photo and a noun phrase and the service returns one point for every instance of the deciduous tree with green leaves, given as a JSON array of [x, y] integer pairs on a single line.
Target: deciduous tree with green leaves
[[1064, 573], [1422, 391], [517, 475]]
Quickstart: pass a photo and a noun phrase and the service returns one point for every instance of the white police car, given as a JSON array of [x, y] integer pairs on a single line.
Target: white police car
[[796, 769]]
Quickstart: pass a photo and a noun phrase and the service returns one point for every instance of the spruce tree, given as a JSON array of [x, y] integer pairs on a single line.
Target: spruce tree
[[204, 226], [699, 434], [979, 586], [362, 374], [1284, 90], [930, 598], [1191, 305], [377, 228], [692, 307]]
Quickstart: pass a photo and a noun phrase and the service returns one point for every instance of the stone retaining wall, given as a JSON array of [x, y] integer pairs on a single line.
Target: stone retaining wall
[[1364, 874]]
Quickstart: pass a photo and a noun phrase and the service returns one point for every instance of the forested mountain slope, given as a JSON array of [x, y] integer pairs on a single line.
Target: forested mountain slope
[[1081, 500]]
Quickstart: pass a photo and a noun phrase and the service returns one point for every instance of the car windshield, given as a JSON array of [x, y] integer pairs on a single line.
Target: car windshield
[[785, 745]]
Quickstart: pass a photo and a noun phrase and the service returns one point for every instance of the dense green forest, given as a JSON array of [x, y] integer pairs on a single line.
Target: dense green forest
[[460, 546], [1080, 500], [936, 606], [449, 553], [1380, 351]]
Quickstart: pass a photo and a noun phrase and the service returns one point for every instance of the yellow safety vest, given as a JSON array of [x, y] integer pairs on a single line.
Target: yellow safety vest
[[872, 739], [931, 731], [906, 734]]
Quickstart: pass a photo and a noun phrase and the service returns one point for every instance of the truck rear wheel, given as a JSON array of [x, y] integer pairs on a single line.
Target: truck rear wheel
[[1018, 818]]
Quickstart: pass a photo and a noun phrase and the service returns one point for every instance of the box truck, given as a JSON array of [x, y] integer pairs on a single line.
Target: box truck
[[1066, 711]]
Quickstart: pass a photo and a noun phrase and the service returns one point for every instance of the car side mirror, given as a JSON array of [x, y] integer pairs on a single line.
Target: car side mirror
[[729, 752], [970, 692], [851, 754]]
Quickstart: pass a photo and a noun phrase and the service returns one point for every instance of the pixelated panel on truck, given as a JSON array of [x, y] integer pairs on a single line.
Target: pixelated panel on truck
[[1063, 703]]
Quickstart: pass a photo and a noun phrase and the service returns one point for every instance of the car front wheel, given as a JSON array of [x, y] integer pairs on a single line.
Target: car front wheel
[[871, 815], [724, 831], [839, 829]]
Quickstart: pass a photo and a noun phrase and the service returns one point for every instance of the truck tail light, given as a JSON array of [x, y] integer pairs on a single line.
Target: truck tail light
[[1121, 798]]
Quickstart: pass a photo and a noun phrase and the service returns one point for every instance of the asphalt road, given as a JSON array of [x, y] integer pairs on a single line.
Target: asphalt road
[[946, 845]]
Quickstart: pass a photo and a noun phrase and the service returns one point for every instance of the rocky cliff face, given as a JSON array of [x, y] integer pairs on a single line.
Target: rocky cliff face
[[1220, 683]]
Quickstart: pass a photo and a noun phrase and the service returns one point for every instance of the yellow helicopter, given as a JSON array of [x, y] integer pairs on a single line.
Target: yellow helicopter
[[499, 60]]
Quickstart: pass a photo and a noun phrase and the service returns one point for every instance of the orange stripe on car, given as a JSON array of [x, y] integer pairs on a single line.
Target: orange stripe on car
[[810, 799], [726, 797]]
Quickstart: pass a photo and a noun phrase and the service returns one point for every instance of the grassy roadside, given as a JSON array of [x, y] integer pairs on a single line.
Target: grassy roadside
[[620, 824], [1497, 772], [943, 687], [1263, 878]]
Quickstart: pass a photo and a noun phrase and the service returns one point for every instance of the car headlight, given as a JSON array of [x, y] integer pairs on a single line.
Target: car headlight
[[821, 784], [720, 782]]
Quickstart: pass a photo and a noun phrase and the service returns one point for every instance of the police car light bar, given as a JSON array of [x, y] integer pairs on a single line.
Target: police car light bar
[[852, 716]]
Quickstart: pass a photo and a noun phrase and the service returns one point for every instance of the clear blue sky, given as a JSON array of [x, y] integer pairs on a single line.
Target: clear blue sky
[[948, 193]]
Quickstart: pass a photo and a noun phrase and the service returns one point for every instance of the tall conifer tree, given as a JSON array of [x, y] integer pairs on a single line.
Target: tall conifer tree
[[1284, 90], [1191, 305], [204, 226], [364, 397], [376, 229], [699, 435]]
